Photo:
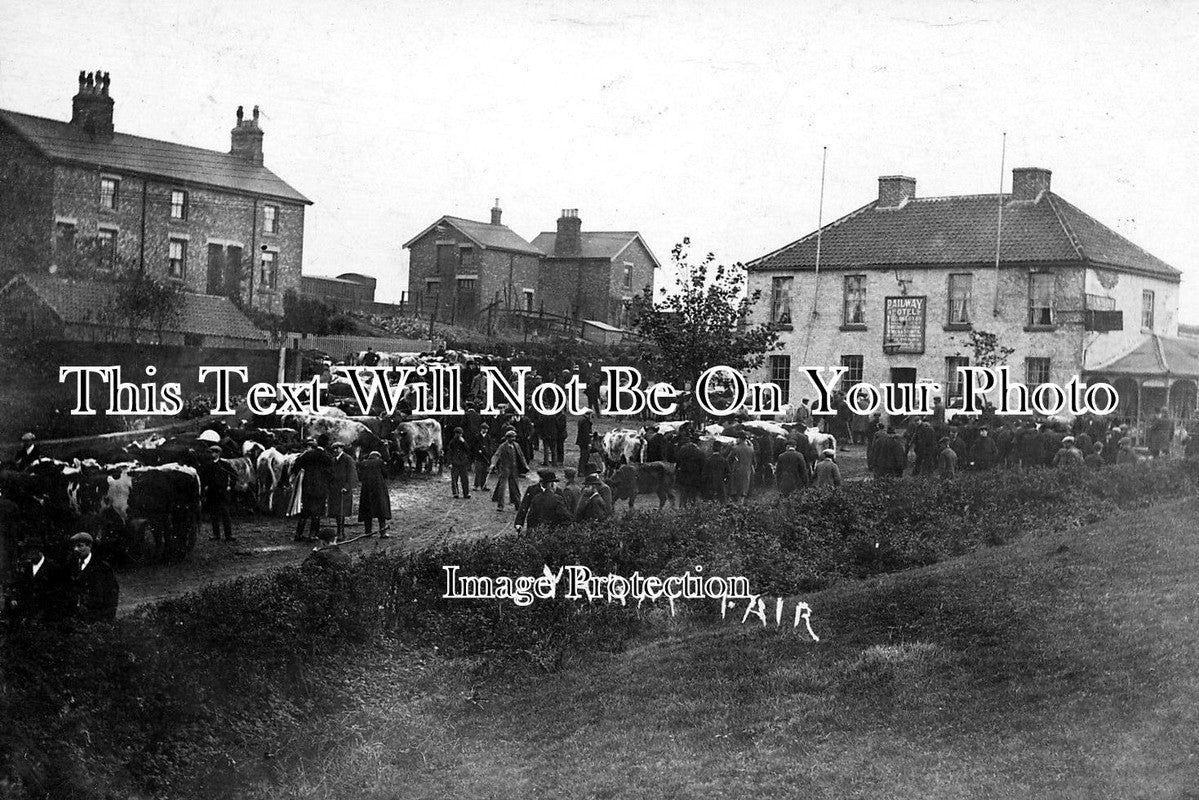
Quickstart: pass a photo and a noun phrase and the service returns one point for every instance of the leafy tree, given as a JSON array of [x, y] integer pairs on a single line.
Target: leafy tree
[[988, 352], [142, 300], [702, 324]]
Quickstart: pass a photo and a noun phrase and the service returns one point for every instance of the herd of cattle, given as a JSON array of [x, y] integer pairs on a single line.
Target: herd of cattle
[[143, 501]]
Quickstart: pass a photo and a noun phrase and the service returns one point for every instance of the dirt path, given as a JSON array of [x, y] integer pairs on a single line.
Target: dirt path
[[423, 512]]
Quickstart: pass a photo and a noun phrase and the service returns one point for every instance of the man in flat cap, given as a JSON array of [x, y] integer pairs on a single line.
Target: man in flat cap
[[315, 468], [30, 452], [508, 463], [94, 588], [39, 590], [216, 480]]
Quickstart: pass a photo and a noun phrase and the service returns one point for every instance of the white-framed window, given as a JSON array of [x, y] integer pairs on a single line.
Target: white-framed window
[[177, 259], [961, 287], [627, 280], [1147, 309], [855, 300], [178, 204], [780, 300], [1040, 298], [466, 284], [110, 189], [854, 367], [528, 299], [268, 273], [107, 254], [1036, 371], [953, 379], [270, 219], [780, 375]]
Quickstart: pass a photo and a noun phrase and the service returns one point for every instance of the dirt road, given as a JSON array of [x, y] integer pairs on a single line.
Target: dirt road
[[423, 513]]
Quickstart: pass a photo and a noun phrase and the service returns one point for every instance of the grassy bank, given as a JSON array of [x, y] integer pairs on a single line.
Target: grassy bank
[[235, 684]]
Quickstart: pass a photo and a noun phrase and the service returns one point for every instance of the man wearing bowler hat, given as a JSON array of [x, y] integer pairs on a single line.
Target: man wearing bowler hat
[[39, 590], [543, 504], [94, 588]]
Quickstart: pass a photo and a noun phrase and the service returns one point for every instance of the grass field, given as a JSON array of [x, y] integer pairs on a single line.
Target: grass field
[[1055, 667]]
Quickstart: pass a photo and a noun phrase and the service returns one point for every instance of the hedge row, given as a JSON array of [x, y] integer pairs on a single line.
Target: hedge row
[[169, 701]]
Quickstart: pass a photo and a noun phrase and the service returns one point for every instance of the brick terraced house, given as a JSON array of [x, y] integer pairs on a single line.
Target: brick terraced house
[[80, 198], [903, 280], [461, 266]]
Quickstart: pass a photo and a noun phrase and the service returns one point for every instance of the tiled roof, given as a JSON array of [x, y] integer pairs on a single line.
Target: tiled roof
[[78, 302], [1156, 355], [484, 234], [594, 244], [961, 230], [62, 141]]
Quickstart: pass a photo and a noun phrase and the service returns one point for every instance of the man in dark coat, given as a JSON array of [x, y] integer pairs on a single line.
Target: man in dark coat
[[791, 471], [481, 452], [592, 506], [458, 453], [531, 508], [890, 456], [655, 444], [959, 445], [571, 491], [1160, 434], [983, 453], [216, 480], [543, 429], [472, 424], [1050, 439], [30, 452], [94, 589], [559, 438], [316, 467], [583, 437], [524, 436], [924, 442], [689, 472], [40, 589], [373, 500], [343, 480], [715, 476]]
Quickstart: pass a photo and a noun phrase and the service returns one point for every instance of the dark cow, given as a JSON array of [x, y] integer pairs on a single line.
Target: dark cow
[[166, 499], [633, 479]]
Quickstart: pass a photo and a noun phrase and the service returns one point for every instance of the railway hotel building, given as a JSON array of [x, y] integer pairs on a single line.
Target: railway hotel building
[[903, 281]]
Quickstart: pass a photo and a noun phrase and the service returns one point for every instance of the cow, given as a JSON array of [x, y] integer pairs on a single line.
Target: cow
[[245, 485], [357, 438], [271, 475], [621, 446], [164, 498], [419, 442], [820, 441], [632, 479]]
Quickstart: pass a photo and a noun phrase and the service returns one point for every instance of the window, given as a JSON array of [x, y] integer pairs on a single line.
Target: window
[[268, 274], [1036, 371], [178, 204], [107, 252], [953, 378], [464, 258], [1147, 309], [780, 375], [466, 284], [64, 242], [853, 373], [528, 299], [780, 301], [270, 219], [177, 259], [1040, 298], [855, 300], [109, 188], [628, 276], [961, 286]]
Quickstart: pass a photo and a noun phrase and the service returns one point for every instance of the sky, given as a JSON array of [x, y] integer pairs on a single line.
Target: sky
[[678, 118]]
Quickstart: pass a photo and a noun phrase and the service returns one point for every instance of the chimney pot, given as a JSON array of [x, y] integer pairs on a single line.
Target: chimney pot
[[496, 212], [91, 107], [1029, 183], [247, 138], [895, 190], [569, 239]]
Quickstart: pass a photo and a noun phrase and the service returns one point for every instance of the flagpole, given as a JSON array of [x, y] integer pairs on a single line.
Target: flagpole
[[819, 230], [999, 225]]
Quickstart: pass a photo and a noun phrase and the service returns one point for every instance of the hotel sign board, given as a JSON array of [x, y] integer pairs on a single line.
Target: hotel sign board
[[903, 324]]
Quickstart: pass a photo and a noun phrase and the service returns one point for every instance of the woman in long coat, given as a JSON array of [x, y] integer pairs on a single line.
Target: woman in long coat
[[344, 479], [373, 502]]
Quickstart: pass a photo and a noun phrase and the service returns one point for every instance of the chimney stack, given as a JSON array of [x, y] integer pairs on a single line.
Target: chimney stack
[[247, 138], [495, 213], [570, 227], [895, 190], [91, 108], [1029, 183]]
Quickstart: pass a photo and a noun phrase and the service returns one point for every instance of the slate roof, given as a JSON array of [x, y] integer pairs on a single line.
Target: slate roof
[[593, 244], [82, 302], [61, 141], [484, 234], [1156, 355], [934, 231]]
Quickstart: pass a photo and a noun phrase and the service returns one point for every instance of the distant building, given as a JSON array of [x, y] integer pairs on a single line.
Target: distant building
[[904, 280], [461, 267], [80, 198], [40, 306], [350, 289]]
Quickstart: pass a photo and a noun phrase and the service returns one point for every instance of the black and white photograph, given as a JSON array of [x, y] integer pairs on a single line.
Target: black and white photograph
[[696, 399]]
